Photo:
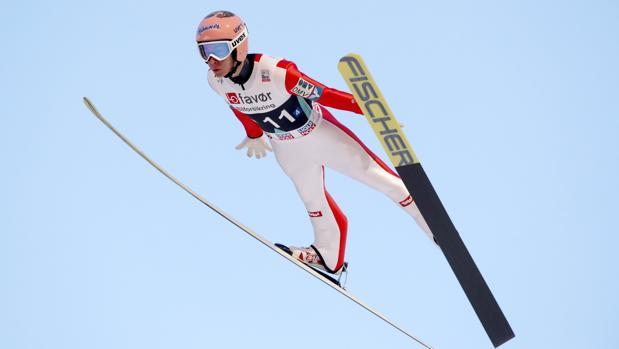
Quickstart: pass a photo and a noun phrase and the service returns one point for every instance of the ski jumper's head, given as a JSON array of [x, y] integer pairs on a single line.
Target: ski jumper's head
[[223, 42]]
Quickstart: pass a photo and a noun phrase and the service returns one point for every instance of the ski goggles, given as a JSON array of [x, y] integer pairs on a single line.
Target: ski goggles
[[221, 49]]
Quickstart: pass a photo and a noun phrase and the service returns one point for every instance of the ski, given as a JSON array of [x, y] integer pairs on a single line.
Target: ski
[[406, 163], [327, 279]]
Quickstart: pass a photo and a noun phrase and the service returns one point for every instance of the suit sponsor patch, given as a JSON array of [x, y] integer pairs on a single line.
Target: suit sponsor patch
[[307, 128], [265, 75], [303, 88], [233, 98]]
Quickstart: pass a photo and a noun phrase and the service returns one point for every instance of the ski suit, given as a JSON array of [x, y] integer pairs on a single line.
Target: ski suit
[[271, 96]]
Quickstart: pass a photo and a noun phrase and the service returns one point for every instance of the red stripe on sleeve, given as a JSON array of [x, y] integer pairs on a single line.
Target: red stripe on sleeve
[[284, 63], [251, 127], [339, 100]]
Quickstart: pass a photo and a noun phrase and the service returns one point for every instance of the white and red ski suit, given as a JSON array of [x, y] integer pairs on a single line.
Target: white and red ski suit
[[271, 96]]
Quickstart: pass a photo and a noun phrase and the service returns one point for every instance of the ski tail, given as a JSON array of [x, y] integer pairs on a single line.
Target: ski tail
[[390, 134]]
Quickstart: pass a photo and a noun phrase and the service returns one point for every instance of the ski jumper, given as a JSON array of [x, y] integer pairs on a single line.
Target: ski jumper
[[276, 99]]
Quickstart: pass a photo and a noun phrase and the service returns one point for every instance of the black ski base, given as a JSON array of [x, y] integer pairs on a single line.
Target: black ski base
[[461, 262], [323, 273]]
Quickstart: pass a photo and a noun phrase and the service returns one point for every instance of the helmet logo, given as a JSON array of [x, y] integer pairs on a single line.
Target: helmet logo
[[239, 39], [238, 28], [208, 27]]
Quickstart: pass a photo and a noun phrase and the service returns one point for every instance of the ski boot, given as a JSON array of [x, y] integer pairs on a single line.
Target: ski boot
[[311, 257]]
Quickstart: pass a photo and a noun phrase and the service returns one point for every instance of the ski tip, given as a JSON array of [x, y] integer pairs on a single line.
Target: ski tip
[[90, 106], [350, 55], [87, 102]]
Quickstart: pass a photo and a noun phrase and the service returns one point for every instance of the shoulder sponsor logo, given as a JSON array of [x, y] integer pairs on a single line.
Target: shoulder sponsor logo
[[315, 214], [265, 75], [303, 88]]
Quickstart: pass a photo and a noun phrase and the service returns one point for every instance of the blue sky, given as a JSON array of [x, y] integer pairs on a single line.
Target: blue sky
[[511, 106]]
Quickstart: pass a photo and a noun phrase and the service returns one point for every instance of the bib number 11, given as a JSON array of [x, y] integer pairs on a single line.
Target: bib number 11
[[284, 114]]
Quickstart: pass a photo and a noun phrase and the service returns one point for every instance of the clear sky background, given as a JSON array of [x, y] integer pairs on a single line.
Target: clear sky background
[[512, 107]]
